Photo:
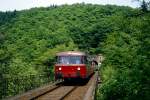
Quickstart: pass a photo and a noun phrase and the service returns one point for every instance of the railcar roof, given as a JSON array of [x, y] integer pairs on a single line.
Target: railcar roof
[[71, 53]]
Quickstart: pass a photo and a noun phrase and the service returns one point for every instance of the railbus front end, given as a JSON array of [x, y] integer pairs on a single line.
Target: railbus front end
[[71, 65]]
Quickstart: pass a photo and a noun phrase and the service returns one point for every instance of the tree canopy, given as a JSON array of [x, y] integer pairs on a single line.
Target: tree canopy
[[30, 39]]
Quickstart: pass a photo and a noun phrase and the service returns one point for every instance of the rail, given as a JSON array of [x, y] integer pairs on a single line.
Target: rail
[[59, 93]]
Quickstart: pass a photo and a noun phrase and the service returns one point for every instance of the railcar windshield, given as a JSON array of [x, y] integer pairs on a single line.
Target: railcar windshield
[[71, 60]]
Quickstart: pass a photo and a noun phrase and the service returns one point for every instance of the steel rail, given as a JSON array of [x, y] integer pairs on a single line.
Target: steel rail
[[32, 94], [64, 96], [54, 88]]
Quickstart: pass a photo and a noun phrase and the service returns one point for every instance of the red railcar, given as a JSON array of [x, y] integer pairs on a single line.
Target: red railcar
[[73, 64]]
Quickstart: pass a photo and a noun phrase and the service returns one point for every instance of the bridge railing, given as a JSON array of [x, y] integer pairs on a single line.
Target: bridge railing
[[10, 86]]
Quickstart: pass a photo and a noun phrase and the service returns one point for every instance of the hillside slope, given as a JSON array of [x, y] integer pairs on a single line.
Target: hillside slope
[[30, 39]]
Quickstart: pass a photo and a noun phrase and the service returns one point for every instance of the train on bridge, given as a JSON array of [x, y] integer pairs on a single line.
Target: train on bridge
[[74, 64]]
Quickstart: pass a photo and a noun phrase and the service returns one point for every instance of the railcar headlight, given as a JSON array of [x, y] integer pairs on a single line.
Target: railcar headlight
[[78, 68], [59, 68]]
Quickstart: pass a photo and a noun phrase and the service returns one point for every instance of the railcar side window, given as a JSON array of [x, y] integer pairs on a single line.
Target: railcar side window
[[83, 61]]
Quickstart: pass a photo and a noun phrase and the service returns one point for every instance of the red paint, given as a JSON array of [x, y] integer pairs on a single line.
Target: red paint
[[70, 71], [74, 70]]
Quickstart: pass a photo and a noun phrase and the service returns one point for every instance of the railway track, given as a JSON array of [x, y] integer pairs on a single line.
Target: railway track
[[58, 93], [74, 91], [62, 91]]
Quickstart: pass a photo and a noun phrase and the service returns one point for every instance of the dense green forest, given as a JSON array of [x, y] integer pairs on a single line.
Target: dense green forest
[[29, 40]]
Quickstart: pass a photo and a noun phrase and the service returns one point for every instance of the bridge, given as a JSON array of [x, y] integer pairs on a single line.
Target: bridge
[[60, 90]]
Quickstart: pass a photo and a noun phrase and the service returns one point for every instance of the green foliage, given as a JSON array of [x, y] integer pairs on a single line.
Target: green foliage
[[30, 39], [127, 53]]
